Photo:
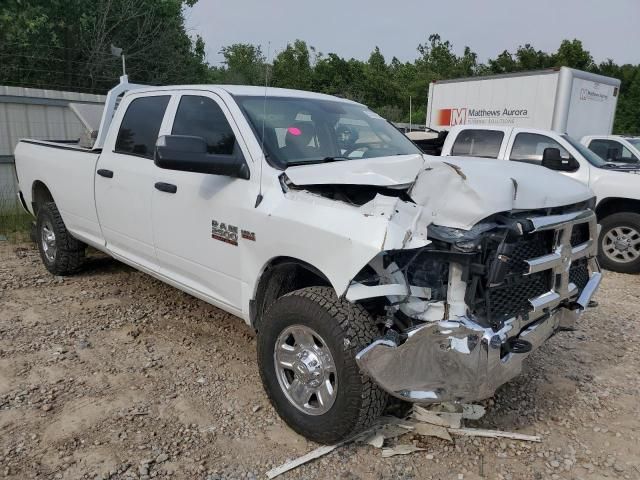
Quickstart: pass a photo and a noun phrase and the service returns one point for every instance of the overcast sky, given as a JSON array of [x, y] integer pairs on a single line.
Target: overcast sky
[[352, 28]]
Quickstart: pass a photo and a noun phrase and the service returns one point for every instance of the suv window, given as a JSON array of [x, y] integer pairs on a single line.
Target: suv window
[[203, 117], [529, 147], [139, 129], [478, 143], [612, 151]]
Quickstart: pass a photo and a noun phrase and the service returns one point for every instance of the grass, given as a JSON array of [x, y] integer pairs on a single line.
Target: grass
[[15, 223]]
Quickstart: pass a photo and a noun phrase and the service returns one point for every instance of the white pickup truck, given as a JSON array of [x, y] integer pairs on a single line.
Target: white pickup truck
[[616, 184], [366, 267]]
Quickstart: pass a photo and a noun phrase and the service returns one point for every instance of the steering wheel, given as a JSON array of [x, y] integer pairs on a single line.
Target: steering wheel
[[346, 139]]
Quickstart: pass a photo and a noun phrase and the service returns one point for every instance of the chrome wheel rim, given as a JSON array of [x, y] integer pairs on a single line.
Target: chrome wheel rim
[[305, 369], [621, 244], [48, 238]]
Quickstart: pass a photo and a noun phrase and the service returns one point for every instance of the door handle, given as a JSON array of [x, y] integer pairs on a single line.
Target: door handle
[[166, 187], [105, 173]]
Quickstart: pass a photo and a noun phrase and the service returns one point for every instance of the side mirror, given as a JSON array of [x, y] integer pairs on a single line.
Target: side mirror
[[189, 154], [552, 159]]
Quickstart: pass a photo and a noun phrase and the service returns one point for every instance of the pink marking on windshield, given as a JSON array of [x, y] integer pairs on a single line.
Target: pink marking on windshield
[[294, 131]]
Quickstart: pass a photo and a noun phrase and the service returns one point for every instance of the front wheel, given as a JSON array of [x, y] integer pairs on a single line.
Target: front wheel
[[307, 345], [619, 242], [61, 253]]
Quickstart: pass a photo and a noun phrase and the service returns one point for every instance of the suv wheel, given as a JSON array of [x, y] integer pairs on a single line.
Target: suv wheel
[[619, 243], [306, 353], [60, 252]]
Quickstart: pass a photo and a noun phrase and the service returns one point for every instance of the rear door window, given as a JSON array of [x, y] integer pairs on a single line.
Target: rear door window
[[202, 117], [478, 143], [529, 148], [140, 126]]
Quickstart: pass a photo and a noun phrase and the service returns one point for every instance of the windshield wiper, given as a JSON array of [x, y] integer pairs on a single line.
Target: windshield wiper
[[319, 160]]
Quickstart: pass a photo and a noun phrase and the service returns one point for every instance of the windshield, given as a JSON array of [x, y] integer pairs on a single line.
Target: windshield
[[635, 142], [300, 131], [591, 157]]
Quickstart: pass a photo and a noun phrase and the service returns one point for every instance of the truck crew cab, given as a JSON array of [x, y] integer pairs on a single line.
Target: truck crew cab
[[366, 268]]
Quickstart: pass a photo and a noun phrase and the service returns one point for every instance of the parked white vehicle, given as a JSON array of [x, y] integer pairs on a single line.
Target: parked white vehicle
[[616, 185], [614, 148], [366, 267], [563, 99]]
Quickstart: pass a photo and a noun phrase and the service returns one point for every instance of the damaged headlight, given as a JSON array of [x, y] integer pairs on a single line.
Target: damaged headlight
[[419, 268], [463, 240]]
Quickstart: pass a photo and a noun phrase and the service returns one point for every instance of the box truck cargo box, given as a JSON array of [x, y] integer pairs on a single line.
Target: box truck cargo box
[[563, 99]]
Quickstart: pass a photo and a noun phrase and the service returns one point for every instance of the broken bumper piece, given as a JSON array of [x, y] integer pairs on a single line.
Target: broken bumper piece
[[459, 360]]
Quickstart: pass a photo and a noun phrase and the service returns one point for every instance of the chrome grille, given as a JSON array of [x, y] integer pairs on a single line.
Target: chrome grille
[[574, 239]]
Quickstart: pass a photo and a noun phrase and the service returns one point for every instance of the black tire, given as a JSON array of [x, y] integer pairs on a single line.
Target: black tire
[[624, 221], [69, 252], [346, 329]]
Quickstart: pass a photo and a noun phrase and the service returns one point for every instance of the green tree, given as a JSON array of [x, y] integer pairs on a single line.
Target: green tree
[[503, 63], [572, 54], [292, 67], [66, 44], [628, 115], [245, 64], [528, 58], [379, 88]]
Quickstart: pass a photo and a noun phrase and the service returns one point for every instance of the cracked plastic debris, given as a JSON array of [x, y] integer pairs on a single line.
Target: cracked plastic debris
[[402, 449]]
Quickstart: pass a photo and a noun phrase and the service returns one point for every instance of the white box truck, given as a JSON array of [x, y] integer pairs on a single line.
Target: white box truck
[[561, 99]]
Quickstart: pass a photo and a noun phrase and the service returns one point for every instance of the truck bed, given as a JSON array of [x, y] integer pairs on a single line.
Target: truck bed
[[64, 172]]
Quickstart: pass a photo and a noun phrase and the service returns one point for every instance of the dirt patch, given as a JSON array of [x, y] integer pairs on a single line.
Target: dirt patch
[[111, 374]]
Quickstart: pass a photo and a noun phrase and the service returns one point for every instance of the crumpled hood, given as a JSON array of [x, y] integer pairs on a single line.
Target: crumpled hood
[[380, 172], [460, 191], [454, 191]]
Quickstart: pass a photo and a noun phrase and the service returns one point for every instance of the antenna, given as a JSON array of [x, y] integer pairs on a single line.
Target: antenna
[[264, 118], [410, 114]]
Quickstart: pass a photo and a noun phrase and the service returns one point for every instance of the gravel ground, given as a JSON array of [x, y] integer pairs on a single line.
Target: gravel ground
[[112, 374]]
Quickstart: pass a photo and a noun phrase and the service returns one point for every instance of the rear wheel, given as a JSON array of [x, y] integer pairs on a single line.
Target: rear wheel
[[61, 253], [619, 242], [306, 352]]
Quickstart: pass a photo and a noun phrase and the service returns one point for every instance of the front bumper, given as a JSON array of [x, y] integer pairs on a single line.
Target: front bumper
[[459, 360]]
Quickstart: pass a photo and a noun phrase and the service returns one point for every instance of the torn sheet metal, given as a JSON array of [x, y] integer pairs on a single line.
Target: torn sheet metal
[[406, 227]]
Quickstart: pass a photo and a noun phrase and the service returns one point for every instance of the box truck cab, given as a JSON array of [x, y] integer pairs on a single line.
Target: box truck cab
[[616, 185], [614, 148], [561, 99]]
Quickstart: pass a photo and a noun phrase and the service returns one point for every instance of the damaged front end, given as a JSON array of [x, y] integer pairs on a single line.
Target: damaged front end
[[476, 264], [461, 313]]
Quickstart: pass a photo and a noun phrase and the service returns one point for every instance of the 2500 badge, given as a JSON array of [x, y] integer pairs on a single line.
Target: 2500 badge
[[229, 233]]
